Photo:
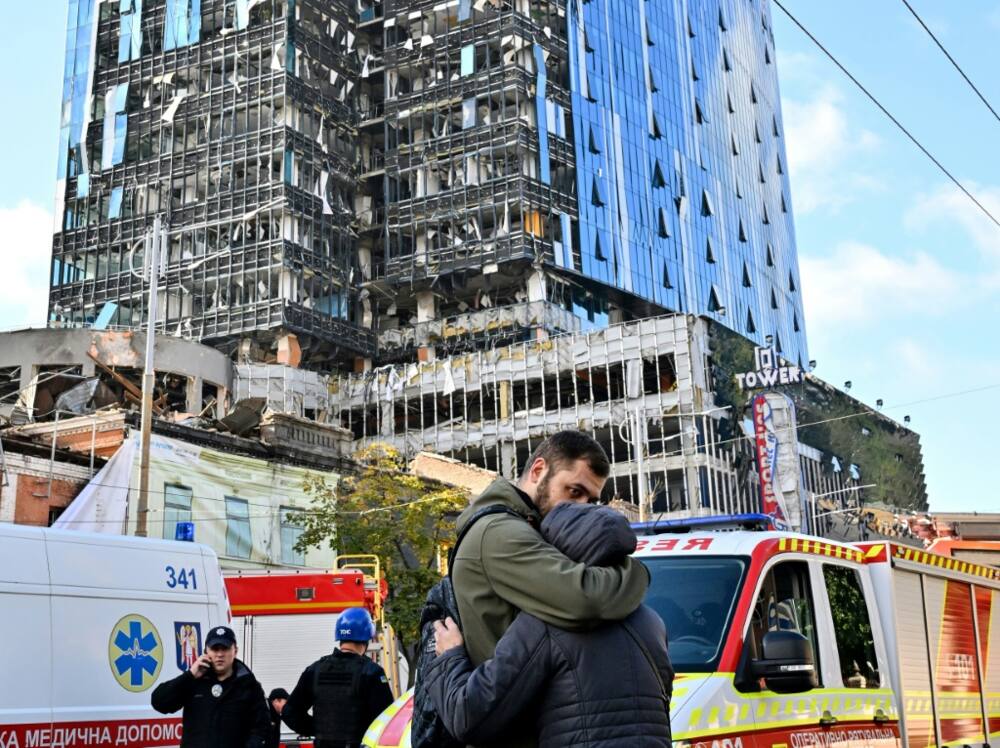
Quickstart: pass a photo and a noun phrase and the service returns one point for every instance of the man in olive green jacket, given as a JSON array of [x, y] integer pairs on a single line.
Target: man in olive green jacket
[[503, 565]]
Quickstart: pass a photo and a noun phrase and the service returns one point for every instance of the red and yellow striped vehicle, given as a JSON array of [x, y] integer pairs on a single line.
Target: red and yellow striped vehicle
[[783, 640]]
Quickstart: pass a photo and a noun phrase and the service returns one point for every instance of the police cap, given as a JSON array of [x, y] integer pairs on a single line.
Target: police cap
[[220, 636]]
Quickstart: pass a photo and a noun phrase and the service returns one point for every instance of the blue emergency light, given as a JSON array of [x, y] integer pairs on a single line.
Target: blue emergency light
[[716, 522], [184, 531]]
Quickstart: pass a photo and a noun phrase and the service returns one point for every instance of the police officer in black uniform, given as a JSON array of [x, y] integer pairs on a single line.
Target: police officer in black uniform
[[223, 703], [346, 690]]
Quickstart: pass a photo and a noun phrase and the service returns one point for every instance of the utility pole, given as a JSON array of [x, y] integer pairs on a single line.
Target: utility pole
[[148, 374]]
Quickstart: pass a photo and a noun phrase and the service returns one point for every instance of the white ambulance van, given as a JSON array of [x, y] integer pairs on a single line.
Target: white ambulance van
[[790, 641], [89, 625]]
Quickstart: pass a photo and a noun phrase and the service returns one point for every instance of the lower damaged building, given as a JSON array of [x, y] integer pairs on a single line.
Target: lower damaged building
[[660, 395], [69, 447]]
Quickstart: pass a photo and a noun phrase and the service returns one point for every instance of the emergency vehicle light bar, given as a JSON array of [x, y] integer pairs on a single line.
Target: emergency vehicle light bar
[[720, 522]]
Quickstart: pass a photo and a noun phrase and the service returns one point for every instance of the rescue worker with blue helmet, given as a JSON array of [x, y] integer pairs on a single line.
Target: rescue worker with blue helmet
[[345, 690]]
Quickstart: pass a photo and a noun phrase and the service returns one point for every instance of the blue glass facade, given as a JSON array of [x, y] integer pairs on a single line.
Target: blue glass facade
[[80, 33], [680, 162], [607, 158]]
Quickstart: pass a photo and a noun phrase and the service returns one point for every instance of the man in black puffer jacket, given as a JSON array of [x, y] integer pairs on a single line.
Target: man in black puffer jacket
[[223, 703], [606, 688]]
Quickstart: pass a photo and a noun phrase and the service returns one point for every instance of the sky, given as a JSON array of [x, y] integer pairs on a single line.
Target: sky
[[900, 272]]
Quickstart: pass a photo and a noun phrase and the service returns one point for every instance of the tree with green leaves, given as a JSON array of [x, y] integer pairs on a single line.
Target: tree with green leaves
[[401, 518]]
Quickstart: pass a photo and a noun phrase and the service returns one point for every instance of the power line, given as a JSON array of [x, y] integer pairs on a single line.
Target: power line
[[952, 60], [866, 412], [888, 114]]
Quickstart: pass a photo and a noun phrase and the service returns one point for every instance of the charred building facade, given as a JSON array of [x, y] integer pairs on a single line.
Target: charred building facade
[[401, 180]]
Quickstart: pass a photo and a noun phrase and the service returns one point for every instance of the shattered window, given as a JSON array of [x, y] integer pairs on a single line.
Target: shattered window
[[115, 204], [468, 59], [238, 540], [243, 13], [291, 531], [182, 25], [468, 114], [115, 126], [176, 508], [130, 35]]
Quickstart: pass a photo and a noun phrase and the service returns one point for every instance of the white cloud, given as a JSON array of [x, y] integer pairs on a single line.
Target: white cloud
[[820, 141], [26, 248], [938, 25], [799, 68], [993, 17], [947, 205], [858, 284], [916, 359]]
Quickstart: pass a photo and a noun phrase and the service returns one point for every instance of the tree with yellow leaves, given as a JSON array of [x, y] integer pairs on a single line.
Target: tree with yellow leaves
[[399, 517]]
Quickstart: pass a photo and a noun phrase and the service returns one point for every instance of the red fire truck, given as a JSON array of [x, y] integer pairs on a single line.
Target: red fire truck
[[284, 620]]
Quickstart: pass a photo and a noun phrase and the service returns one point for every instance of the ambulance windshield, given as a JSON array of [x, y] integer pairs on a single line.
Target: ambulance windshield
[[695, 598]]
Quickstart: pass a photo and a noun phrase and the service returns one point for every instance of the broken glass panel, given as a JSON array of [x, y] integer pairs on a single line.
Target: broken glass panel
[[468, 114], [242, 14], [541, 115], [175, 31], [115, 206], [130, 38], [194, 22], [80, 30], [182, 25], [121, 134], [125, 38]]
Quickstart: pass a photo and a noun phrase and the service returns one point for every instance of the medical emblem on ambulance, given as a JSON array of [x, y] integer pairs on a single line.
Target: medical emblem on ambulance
[[187, 643], [135, 653]]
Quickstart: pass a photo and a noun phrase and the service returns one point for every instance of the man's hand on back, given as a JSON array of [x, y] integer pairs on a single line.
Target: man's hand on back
[[446, 636]]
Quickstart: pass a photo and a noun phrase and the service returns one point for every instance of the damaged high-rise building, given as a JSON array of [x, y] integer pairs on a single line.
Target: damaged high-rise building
[[558, 165], [236, 122], [397, 180]]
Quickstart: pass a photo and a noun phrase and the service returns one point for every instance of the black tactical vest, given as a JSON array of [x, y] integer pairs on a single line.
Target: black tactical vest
[[338, 704]]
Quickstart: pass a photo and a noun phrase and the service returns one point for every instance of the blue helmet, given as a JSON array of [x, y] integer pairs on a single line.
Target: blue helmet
[[355, 625]]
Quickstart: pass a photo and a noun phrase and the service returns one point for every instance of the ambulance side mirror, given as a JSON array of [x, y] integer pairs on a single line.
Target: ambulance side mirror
[[788, 665]]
